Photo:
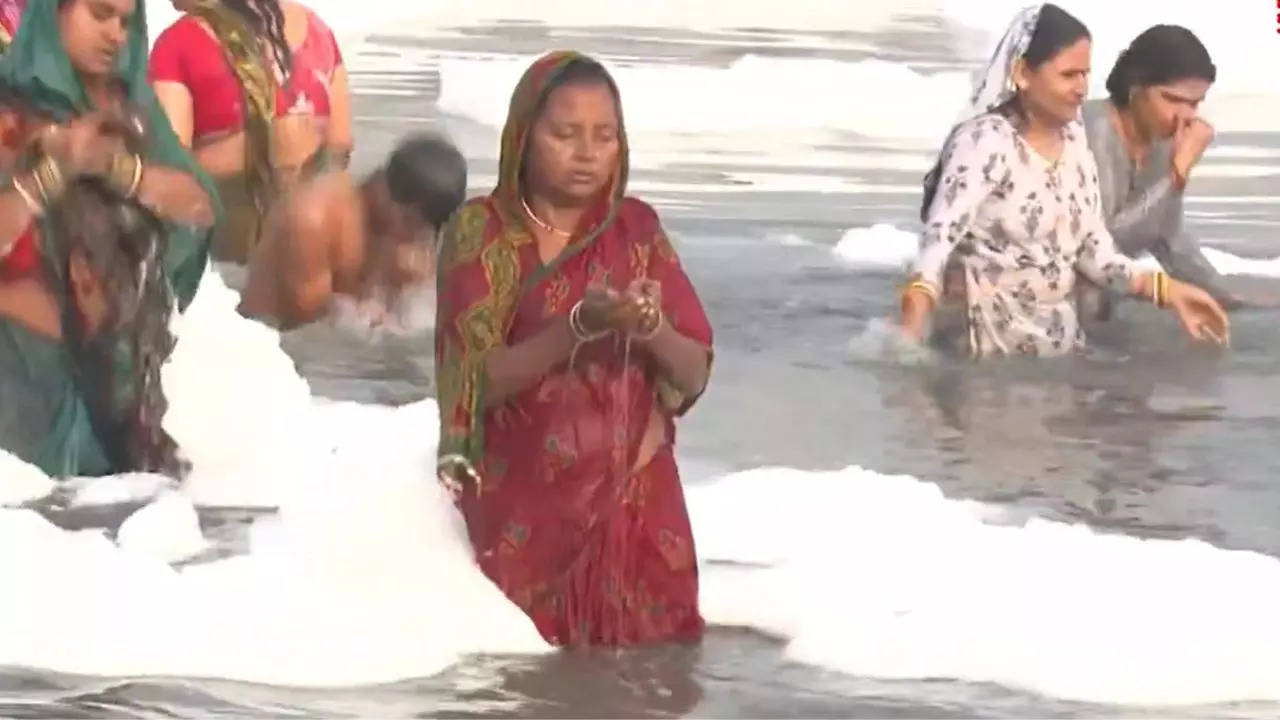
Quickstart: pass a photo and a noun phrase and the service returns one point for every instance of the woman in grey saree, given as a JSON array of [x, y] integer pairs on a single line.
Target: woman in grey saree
[[1147, 138]]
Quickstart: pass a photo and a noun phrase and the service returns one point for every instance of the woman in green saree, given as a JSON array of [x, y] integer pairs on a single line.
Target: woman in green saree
[[104, 227]]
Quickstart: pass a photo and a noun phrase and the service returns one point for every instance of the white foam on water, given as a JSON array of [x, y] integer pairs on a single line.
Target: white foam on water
[[22, 482], [871, 97], [1229, 264], [167, 530], [803, 94], [884, 577], [884, 246], [882, 342], [364, 576], [880, 98], [879, 246], [703, 15], [230, 374]]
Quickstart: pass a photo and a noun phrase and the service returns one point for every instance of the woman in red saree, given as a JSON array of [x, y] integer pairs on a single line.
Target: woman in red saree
[[568, 339]]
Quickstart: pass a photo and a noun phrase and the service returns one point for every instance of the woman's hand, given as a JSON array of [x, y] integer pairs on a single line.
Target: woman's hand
[[628, 313], [602, 306], [916, 306], [1190, 141], [1201, 315], [83, 146]]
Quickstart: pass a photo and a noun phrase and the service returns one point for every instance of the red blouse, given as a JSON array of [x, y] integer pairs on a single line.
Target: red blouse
[[188, 53], [23, 257]]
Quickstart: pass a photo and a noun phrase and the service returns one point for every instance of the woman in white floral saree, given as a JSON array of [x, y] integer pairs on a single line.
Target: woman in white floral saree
[[1013, 204]]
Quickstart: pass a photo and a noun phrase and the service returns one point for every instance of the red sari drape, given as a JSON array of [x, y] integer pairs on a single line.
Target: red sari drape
[[594, 552]]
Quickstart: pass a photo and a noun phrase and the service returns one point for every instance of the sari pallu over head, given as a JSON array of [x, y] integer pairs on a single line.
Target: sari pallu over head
[[137, 255], [493, 290]]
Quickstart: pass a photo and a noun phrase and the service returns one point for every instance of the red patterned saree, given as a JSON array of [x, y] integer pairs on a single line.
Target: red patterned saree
[[594, 551]]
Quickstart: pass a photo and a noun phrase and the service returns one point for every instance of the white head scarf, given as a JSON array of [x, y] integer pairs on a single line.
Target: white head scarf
[[994, 86]]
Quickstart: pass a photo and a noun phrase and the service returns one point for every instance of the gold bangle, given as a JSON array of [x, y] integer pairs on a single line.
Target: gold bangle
[[137, 176], [125, 173], [924, 287], [1159, 288], [117, 174], [580, 332], [44, 196], [49, 179], [36, 208]]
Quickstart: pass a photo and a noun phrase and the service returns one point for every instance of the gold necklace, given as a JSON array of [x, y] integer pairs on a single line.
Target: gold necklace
[[541, 223]]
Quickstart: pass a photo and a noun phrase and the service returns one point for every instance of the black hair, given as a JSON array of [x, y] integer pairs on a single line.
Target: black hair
[[125, 407], [579, 71], [1161, 54], [266, 18], [428, 173], [1055, 31]]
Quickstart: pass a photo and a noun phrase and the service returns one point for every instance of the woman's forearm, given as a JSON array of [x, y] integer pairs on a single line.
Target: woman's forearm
[[16, 215], [684, 361], [175, 195], [511, 369]]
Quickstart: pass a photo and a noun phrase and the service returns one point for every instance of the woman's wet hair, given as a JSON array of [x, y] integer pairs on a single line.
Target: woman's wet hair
[[579, 71], [266, 18], [1055, 31], [428, 173], [1161, 54]]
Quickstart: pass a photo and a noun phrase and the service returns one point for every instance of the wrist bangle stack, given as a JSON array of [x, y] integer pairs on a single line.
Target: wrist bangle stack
[[50, 182]]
